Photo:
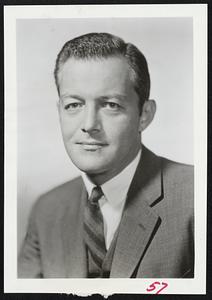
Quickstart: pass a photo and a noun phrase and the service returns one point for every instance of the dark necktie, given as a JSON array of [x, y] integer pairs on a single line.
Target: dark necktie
[[94, 227]]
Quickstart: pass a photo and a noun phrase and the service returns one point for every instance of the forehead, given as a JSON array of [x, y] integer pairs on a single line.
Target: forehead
[[112, 72]]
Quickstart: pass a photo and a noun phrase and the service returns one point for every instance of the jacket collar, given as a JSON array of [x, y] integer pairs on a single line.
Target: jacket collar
[[139, 222]]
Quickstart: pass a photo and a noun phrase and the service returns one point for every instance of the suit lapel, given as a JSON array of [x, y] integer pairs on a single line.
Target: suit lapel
[[74, 249], [139, 223]]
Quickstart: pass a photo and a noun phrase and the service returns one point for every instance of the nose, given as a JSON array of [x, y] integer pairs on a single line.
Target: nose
[[91, 122]]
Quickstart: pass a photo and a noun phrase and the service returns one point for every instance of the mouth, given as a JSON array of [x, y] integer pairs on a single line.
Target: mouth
[[91, 145]]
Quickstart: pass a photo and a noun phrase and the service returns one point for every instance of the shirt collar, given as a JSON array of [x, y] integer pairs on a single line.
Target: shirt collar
[[115, 189]]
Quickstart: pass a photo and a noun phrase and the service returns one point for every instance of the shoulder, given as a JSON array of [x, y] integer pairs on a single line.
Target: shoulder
[[177, 172], [178, 183], [171, 172], [58, 200]]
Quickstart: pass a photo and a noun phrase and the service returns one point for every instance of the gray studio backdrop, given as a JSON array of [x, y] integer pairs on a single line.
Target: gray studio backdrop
[[42, 160]]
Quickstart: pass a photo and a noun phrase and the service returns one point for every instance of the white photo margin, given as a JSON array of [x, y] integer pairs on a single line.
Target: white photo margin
[[197, 285]]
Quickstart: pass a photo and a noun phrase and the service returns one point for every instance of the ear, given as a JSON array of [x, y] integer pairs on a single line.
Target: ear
[[147, 115]]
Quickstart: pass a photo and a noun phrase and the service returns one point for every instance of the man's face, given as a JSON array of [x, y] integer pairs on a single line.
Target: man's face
[[99, 115]]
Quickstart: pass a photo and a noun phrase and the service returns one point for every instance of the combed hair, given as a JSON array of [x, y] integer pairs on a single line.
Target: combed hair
[[104, 45]]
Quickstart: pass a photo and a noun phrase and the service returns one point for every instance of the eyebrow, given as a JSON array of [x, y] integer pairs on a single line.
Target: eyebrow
[[64, 96], [105, 97], [118, 96]]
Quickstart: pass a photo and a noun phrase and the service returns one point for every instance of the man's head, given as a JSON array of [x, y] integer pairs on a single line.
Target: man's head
[[103, 85], [102, 46]]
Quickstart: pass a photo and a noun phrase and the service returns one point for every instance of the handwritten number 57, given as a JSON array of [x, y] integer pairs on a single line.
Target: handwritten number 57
[[156, 285]]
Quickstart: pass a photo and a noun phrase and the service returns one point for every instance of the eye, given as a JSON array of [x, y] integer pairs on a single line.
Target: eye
[[111, 105], [73, 106]]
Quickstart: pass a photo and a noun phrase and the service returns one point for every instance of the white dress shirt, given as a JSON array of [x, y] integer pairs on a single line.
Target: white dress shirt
[[115, 193]]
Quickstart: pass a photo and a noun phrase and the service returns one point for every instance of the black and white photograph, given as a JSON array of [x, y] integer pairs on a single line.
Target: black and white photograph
[[108, 129]]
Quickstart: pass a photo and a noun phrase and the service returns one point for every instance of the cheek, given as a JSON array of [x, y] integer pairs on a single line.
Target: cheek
[[122, 130], [68, 126]]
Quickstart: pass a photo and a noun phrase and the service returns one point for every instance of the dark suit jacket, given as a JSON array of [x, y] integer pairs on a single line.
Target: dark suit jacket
[[155, 237]]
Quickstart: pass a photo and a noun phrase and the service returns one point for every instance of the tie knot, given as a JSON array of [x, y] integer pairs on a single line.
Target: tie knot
[[96, 195]]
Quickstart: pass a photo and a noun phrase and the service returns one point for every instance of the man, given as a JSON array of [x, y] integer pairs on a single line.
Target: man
[[130, 214]]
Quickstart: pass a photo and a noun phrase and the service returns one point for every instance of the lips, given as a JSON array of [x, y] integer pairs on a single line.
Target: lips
[[91, 145]]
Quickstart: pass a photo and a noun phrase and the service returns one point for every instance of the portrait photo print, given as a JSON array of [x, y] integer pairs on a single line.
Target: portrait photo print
[[104, 105], [106, 157]]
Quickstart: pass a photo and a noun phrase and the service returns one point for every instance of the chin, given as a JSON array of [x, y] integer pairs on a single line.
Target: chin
[[91, 162], [89, 166], [92, 170]]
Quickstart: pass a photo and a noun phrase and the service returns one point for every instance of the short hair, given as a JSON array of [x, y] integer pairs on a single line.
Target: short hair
[[104, 45]]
